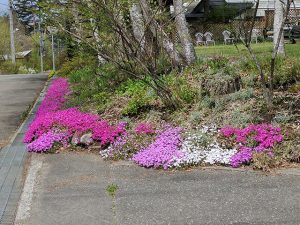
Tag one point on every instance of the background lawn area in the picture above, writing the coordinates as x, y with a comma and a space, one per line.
292, 50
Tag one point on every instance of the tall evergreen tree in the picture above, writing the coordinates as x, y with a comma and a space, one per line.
26, 11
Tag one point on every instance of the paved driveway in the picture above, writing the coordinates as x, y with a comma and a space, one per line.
70, 189
17, 93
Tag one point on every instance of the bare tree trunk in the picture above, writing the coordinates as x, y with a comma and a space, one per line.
157, 30
96, 37
138, 25
76, 24
183, 32
278, 42
278, 20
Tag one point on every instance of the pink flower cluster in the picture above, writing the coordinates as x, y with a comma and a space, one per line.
52, 124
254, 138
144, 128
55, 97
162, 151
105, 133
46, 141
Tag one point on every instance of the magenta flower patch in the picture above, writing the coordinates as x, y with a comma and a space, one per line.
254, 138
55, 97
144, 128
53, 125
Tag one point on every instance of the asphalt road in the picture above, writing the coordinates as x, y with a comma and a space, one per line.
70, 189
17, 93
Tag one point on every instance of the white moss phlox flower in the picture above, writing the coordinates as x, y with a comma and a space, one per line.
202, 147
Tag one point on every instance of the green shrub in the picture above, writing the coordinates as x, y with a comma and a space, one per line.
239, 118
294, 88
94, 86
77, 63
134, 106
196, 117
288, 74
217, 62
208, 102
51, 74
287, 71
7, 67
220, 83
83, 75
283, 118
181, 87
140, 96
241, 95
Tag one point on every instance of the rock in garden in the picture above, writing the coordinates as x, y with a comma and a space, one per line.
86, 139
75, 139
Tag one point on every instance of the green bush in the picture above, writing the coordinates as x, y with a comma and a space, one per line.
77, 63
140, 96
288, 74
239, 118
51, 74
218, 62
182, 88
7, 67
241, 95
208, 102
294, 88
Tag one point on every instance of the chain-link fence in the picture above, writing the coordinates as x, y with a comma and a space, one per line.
262, 25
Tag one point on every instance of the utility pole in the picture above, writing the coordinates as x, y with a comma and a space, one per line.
41, 47
52, 31
12, 35
53, 53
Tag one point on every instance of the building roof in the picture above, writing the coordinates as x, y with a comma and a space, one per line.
194, 8
19, 55
23, 54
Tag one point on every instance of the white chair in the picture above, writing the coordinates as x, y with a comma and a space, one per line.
209, 38
254, 35
227, 39
199, 39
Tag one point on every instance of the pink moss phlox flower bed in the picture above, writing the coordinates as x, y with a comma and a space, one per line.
46, 141
53, 124
252, 139
162, 151
55, 97
144, 128
105, 133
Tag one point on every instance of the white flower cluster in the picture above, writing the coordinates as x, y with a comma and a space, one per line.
25, 70
105, 153
201, 147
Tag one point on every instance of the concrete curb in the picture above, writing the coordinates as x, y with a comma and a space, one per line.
30, 113
282, 171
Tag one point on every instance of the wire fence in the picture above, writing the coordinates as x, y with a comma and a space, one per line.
262, 25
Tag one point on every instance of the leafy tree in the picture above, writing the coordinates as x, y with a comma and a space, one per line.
26, 11
134, 36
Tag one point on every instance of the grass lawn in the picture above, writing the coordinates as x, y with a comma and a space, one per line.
292, 50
